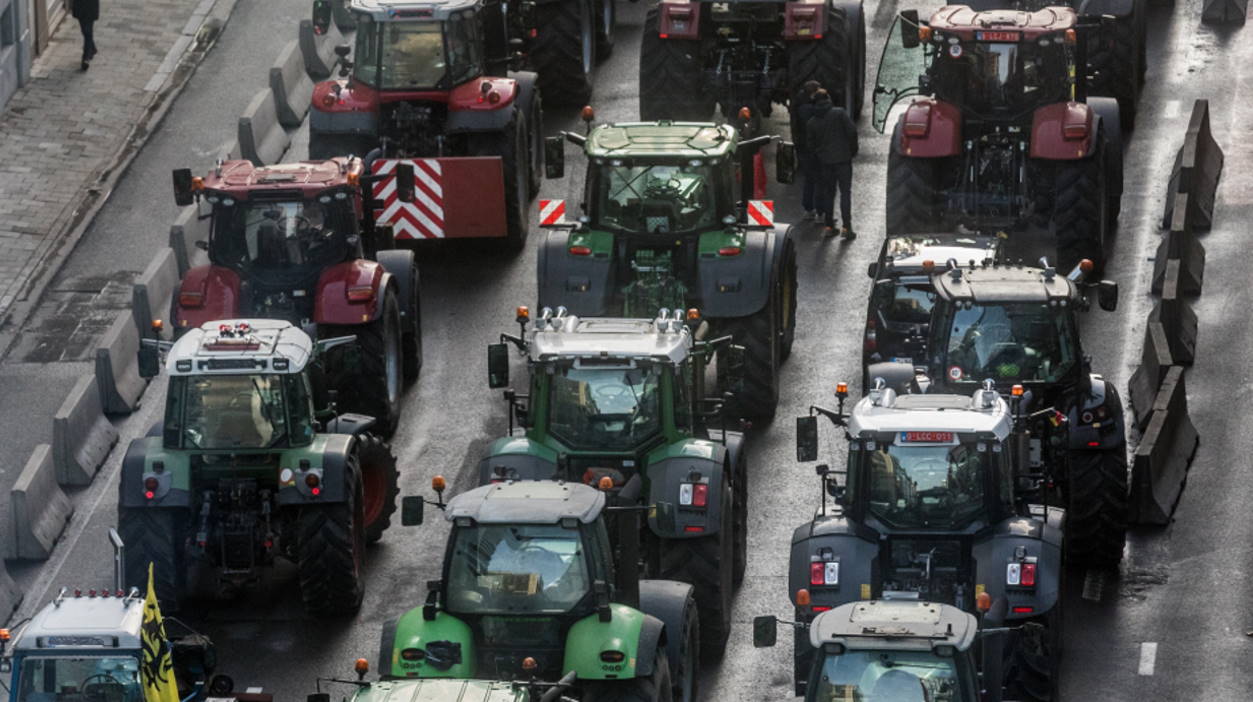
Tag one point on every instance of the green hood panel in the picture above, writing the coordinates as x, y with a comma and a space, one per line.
412, 631
589, 637
441, 691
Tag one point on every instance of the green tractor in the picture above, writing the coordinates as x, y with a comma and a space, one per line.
530, 588
620, 404
243, 471
661, 225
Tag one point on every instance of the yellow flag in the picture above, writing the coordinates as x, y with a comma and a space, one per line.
157, 670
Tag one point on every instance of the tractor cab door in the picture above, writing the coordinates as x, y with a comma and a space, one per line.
901, 67
494, 28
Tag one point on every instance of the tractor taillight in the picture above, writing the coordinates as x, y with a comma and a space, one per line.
693, 494
150, 487
1028, 575
730, 251
328, 99
824, 573
1074, 132
361, 293
580, 251
191, 300
815, 573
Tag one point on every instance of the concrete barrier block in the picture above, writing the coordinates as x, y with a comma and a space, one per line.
1164, 455
117, 367
1155, 360
345, 20
184, 233
38, 507
318, 51
81, 435
1224, 11
11, 595
1181, 244
153, 291
262, 139
291, 86
1176, 317
1201, 162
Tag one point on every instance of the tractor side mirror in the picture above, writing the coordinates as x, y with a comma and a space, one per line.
412, 510
765, 631
807, 439
1107, 295
785, 163
909, 28
149, 360
872, 271
554, 157
183, 193
404, 182
497, 365
321, 23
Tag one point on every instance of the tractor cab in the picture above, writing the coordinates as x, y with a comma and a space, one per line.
416, 46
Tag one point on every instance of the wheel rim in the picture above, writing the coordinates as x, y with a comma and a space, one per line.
688, 690
358, 534
589, 41
607, 17
391, 362
374, 488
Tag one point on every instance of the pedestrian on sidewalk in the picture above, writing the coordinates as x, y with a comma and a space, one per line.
802, 109
87, 12
832, 137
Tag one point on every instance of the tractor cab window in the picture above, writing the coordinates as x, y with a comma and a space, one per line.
900, 71
103, 679
1013, 77
657, 199
610, 408
232, 411
895, 676
516, 569
1013, 343
415, 55
280, 235
914, 482
905, 300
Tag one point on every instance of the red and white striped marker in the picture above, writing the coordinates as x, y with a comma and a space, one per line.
761, 212
552, 212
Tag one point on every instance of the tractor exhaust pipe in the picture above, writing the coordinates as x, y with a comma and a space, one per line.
119, 560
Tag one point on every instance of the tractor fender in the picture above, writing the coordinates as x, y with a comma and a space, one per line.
735, 446
1117, 8
665, 477
738, 286
467, 114
1048, 131
399, 264
582, 284
667, 601
589, 637
331, 304
929, 128
335, 450
350, 423
1038, 540
444, 633
139, 463
354, 110
218, 289
1106, 109
1096, 434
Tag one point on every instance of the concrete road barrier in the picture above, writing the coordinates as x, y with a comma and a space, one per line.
11, 595
291, 86
153, 291
38, 508
1164, 455
317, 51
1180, 244
184, 233
262, 139
81, 435
1198, 167
117, 367
1155, 361
345, 20
1176, 317
1224, 11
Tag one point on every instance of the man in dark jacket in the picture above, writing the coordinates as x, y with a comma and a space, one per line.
832, 137
802, 109
87, 12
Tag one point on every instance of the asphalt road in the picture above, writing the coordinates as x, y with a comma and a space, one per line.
1185, 588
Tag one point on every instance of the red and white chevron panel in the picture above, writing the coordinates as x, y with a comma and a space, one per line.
424, 217
552, 212
761, 213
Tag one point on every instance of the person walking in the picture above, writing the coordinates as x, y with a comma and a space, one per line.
832, 137
87, 12
802, 110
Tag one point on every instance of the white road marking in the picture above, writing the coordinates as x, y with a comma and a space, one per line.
1094, 585
1171, 109
1148, 657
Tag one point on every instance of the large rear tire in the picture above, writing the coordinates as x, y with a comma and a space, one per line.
913, 197
511, 146
380, 481
1117, 67
331, 551
831, 60
155, 536
564, 50
741, 518
787, 302
673, 72
708, 563
1096, 506
606, 21
403, 262
375, 386
1080, 205
1033, 660
654, 688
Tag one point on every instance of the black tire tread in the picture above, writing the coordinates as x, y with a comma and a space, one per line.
1117, 67
673, 70
374, 454
827, 61
365, 391
155, 536
1077, 209
707, 563
329, 582
557, 52
913, 196
758, 398
1096, 506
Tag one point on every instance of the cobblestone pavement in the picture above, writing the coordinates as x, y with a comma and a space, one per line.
65, 130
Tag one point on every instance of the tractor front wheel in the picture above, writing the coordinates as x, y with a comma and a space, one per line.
1032, 659
331, 551
1096, 506
707, 563
563, 51
374, 387
672, 76
380, 484
741, 518
155, 536
913, 197
654, 688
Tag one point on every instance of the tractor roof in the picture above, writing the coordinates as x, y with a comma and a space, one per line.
98, 623
898, 625
908, 253
965, 22
434, 690
661, 139
408, 10
240, 346
281, 181
528, 502
885, 411
606, 338
998, 284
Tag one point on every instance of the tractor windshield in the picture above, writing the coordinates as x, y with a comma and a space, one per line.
414, 55
1013, 343
113, 678
895, 676
238, 411
657, 199
917, 483
514, 569
1001, 76
605, 408
280, 235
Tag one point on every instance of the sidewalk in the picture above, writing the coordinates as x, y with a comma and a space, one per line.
63, 135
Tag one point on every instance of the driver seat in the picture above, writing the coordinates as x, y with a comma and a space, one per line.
898, 686
660, 215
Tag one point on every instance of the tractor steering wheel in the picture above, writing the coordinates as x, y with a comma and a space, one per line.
106, 679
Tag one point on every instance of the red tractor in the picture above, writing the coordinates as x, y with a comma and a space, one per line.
428, 85
298, 242
1003, 135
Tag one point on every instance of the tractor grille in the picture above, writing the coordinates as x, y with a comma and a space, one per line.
505, 641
